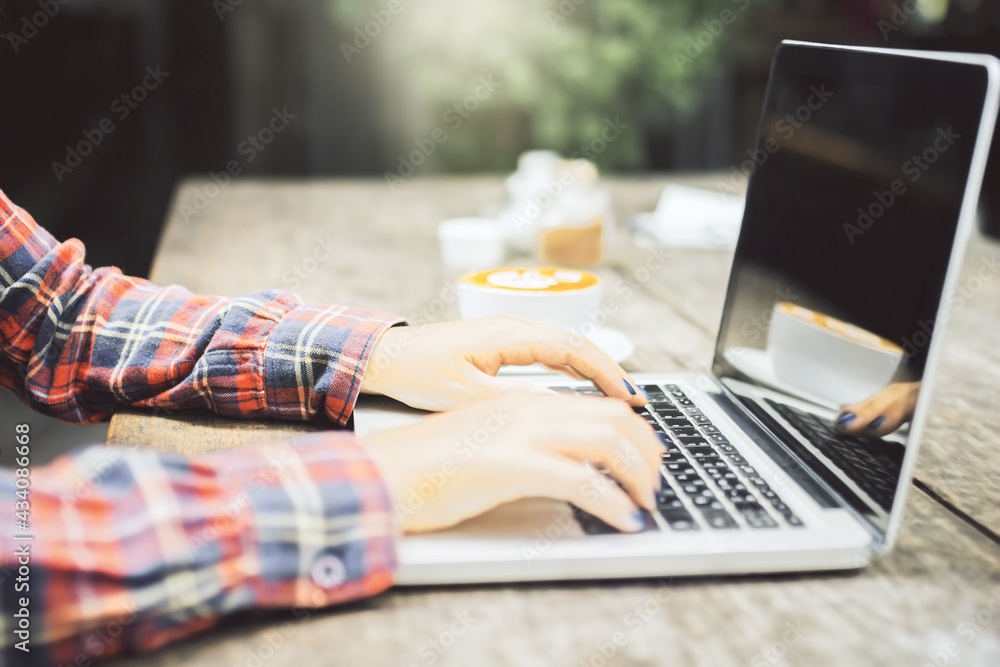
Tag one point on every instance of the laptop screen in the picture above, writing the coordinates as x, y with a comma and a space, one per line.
856, 185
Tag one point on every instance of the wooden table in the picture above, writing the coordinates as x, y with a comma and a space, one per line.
928, 602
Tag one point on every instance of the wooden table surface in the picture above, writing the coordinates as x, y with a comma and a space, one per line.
934, 600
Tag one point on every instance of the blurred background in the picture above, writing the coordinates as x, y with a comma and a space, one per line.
110, 102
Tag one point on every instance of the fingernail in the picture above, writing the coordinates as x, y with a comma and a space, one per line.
644, 394
631, 389
639, 519
846, 419
878, 421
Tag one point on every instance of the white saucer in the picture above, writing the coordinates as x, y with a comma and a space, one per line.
612, 342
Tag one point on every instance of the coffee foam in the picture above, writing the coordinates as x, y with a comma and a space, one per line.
543, 279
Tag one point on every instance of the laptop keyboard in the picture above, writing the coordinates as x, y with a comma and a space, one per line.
872, 463
706, 483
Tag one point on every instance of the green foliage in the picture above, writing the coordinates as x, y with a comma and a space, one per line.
564, 67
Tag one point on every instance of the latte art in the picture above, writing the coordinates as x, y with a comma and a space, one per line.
545, 279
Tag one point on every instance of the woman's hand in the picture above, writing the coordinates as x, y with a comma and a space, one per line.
456, 465
447, 365
881, 414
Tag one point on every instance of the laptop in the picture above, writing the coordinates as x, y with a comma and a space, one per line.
862, 192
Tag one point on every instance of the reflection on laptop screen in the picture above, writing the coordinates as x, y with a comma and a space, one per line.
858, 179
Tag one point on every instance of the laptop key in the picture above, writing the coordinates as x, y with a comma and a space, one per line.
758, 518
702, 452
718, 519
679, 519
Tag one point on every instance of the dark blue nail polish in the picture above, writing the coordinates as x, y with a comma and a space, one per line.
644, 394
639, 517
846, 419
631, 390
878, 421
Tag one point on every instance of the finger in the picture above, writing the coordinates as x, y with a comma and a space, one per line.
605, 446
644, 438
580, 484
630, 425
891, 417
555, 347
873, 416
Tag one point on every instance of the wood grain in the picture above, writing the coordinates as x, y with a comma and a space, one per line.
902, 610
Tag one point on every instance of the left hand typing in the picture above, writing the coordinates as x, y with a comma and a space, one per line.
451, 364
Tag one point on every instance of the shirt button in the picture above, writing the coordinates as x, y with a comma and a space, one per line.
328, 571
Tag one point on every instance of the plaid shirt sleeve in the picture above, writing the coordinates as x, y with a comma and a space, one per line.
132, 549
77, 342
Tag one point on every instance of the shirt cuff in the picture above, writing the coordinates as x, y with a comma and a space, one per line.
319, 527
315, 358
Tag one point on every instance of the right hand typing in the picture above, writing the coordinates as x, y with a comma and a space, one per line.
465, 462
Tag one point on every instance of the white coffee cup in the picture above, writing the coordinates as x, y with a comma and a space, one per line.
471, 244
827, 358
561, 297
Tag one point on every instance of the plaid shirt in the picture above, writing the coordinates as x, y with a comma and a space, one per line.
132, 549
